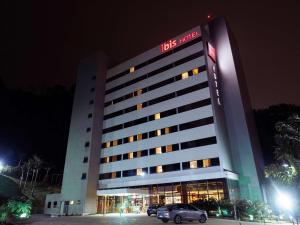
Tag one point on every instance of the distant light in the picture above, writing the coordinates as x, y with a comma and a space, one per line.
285, 165
23, 215
284, 201
208, 16
143, 174
1, 166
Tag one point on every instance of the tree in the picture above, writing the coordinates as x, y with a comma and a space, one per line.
287, 153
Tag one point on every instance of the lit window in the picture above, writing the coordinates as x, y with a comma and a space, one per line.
131, 69
167, 130
138, 92
193, 164
159, 169
139, 106
157, 116
139, 172
107, 144
139, 137
139, 154
113, 175
206, 163
130, 155
107, 159
195, 71
158, 150
158, 132
130, 139
184, 75
115, 142
169, 148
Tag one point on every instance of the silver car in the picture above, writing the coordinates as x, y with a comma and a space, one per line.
181, 212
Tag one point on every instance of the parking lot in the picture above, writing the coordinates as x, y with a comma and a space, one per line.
116, 219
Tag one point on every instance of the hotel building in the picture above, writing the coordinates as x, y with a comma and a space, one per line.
173, 124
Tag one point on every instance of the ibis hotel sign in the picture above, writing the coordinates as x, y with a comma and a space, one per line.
173, 43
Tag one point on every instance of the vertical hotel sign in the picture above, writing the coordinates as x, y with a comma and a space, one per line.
173, 43
212, 55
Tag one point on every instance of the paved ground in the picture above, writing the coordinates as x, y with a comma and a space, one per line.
117, 220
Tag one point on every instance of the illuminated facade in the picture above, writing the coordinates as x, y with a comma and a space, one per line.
175, 128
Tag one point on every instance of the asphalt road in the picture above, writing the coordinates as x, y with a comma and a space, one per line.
116, 219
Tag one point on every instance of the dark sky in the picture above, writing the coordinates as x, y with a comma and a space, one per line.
44, 40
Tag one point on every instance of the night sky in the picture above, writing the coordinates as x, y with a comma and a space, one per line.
44, 40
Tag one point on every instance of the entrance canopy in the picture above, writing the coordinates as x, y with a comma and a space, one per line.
122, 192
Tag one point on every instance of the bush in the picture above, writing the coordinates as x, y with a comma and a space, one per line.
16, 209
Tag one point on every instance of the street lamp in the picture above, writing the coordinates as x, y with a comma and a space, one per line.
1, 166
284, 201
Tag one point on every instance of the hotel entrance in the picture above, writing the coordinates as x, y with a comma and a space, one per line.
123, 201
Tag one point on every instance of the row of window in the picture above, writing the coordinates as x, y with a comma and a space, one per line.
148, 62
195, 164
155, 72
158, 100
158, 116
160, 150
138, 92
159, 132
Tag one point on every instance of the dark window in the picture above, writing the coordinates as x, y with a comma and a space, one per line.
196, 123
91, 102
83, 176
144, 153
90, 115
215, 162
102, 160
114, 114
186, 165
161, 99
198, 143
49, 205
88, 129
153, 169
194, 105
112, 175
171, 167
85, 159
125, 156
192, 88
54, 204
129, 173
87, 144
111, 129
167, 113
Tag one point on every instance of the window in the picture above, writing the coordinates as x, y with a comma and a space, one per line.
158, 132
169, 148
138, 92
49, 205
115, 142
158, 150
167, 130
206, 163
139, 172
139, 137
107, 159
113, 175
107, 144
193, 164
130, 155
131, 69
159, 169
88, 129
90, 115
83, 176
87, 144
54, 204
85, 159
184, 75
215, 162
195, 71
139, 106
157, 116
130, 139
198, 143
171, 167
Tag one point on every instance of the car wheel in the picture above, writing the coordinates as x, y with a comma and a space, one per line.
165, 220
177, 219
202, 219
149, 214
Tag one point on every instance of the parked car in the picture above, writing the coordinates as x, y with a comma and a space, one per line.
152, 209
181, 212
